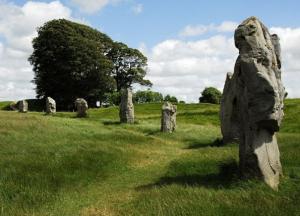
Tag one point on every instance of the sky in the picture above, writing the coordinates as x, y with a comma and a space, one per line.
189, 43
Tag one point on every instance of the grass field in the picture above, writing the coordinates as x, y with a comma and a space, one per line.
64, 166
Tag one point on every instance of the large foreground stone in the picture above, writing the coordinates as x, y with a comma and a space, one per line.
50, 105
23, 106
229, 112
81, 106
168, 117
126, 112
259, 95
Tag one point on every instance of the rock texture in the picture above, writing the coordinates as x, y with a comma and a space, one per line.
168, 117
229, 112
126, 112
81, 106
50, 105
259, 100
23, 106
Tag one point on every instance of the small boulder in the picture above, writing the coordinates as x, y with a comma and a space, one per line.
81, 106
50, 105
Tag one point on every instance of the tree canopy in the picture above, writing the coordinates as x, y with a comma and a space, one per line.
210, 95
171, 99
71, 60
147, 96
129, 66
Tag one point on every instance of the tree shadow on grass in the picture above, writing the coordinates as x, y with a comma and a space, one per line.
204, 144
111, 122
227, 176
153, 132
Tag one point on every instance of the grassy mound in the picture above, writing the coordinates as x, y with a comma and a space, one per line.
62, 165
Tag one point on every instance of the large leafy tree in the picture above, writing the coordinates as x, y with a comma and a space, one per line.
129, 66
210, 95
69, 61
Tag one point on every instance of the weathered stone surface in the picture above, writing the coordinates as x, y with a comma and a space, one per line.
23, 106
50, 105
259, 100
81, 106
126, 112
168, 117
229, 112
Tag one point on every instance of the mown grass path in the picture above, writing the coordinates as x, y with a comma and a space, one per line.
61, 165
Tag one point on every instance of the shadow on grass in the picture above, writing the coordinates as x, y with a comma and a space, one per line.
227, 177
111, 122
154, 132
202, 144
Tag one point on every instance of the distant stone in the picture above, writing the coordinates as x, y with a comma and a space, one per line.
50, 105
168, 117
82, 107
23, 106
14, 106
229, 112
259, 100
126, 112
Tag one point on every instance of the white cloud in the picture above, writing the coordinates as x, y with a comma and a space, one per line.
290, 44
137, 9
196, 30
92, 6
184, 68
18, 28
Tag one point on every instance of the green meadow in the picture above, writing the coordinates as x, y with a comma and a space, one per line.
61, 165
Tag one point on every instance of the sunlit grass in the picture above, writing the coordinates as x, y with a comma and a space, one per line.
62, 165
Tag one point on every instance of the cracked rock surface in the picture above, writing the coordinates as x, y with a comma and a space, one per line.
258, 95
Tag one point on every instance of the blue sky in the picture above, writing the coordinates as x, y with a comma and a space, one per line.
189, 43
162, 19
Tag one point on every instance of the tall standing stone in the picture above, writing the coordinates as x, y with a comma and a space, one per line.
229, 112
23, 106
50, 105
81, 106
126, 112
168, 117
259, 100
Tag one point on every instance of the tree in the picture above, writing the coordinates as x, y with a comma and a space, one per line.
69, 61
147, 96
210, 95
129, 66
112, 98
171, 99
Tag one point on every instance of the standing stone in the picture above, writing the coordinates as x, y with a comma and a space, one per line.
168, 117
23, 106
81, 106
126, 107
50, 105
229, 112
259, 100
